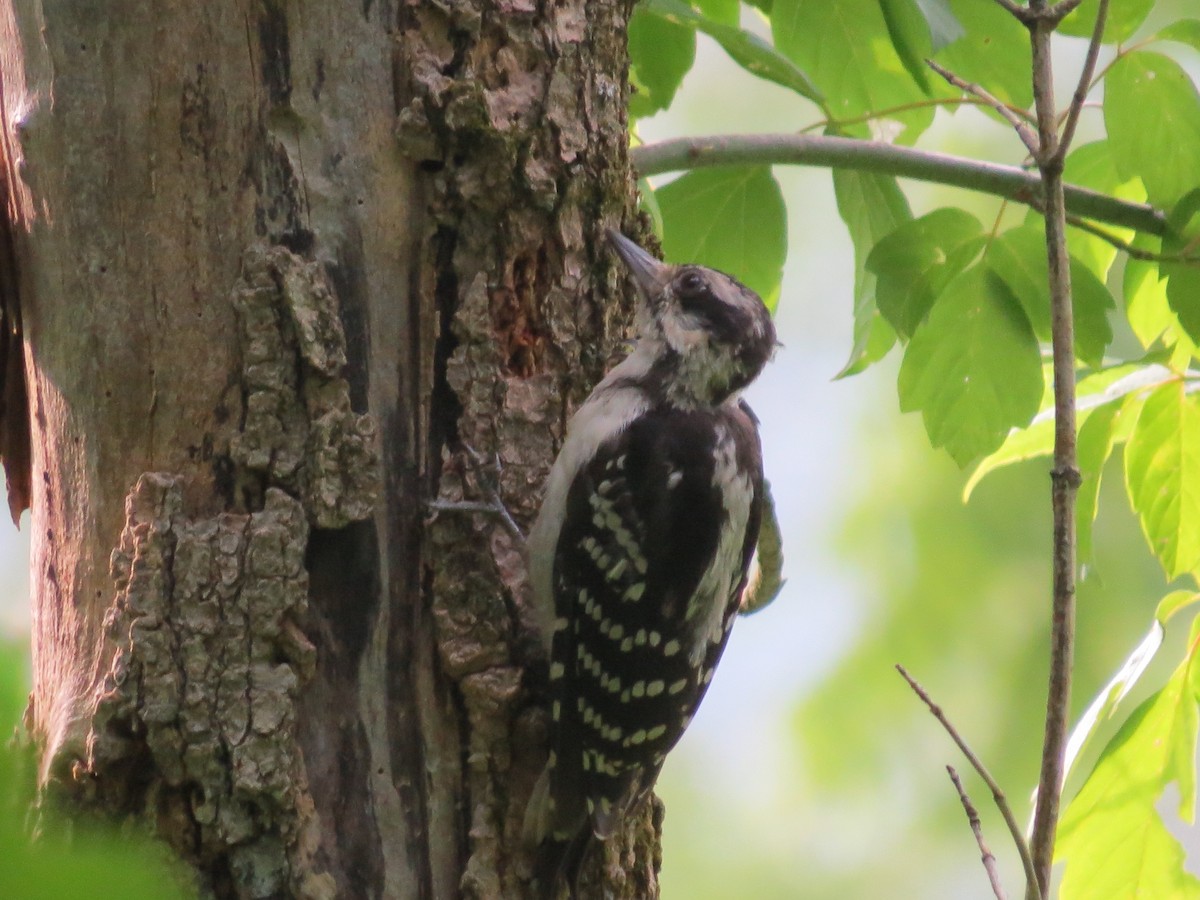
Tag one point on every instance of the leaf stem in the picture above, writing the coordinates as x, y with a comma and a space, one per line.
1010, 182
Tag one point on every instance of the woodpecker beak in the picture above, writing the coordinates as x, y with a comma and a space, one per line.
650, 274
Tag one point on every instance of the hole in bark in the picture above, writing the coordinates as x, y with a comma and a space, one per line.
447, 408
516, 314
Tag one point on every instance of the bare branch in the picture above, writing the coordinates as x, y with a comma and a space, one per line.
1014, 827
1065, 478
1085, 81
1037, 13
1021, 13
1024, 132
989, 861
1010, 182
1060, 11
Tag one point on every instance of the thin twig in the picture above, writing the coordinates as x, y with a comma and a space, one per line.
1024, 132
491, 488
476, 508
888, 159
1085, 82
890, 111
989, 860
494, 506
1014, 827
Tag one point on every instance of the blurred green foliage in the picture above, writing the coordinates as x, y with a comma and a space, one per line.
963, 591
75, 861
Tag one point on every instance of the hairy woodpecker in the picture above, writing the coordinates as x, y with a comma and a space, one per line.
640, 554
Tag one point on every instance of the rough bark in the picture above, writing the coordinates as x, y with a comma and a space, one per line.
276, 265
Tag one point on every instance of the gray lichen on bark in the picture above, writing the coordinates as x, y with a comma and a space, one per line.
202, 686
299, 430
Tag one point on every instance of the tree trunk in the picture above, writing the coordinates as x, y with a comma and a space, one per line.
274, 267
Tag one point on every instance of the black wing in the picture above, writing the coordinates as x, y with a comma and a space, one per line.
644, 521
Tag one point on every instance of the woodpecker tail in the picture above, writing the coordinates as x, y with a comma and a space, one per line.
559, 865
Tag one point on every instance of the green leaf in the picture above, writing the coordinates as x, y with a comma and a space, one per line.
846, 49
648, 203
993, 51
873, 337
748, 50
1108, 700
1146, 307
916, 261
1112, 837
1162, 475
1099, 389
1183, 279
909, 33
1185, 31
1093, 447
872, 206
1152, 113
726, 12
661, 53
1124, 18
94, 862
973, 369
1019, 257
733, 219
1092, 166
944, 27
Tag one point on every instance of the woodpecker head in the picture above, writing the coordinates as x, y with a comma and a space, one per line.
708, 334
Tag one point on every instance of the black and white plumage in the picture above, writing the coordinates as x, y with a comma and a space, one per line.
640, 553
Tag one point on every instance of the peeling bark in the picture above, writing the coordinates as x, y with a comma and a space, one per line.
298, 431
201, 691
279, 265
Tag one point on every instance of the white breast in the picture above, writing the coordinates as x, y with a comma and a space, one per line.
612, 406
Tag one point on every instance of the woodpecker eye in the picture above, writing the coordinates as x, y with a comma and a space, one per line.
691, 283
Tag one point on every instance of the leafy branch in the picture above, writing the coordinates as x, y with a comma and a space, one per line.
1010, 182
984, 317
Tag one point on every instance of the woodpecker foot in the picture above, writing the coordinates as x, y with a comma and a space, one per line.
486, 475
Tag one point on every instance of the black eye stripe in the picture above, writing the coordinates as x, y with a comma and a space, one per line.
726, 320
697, 294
